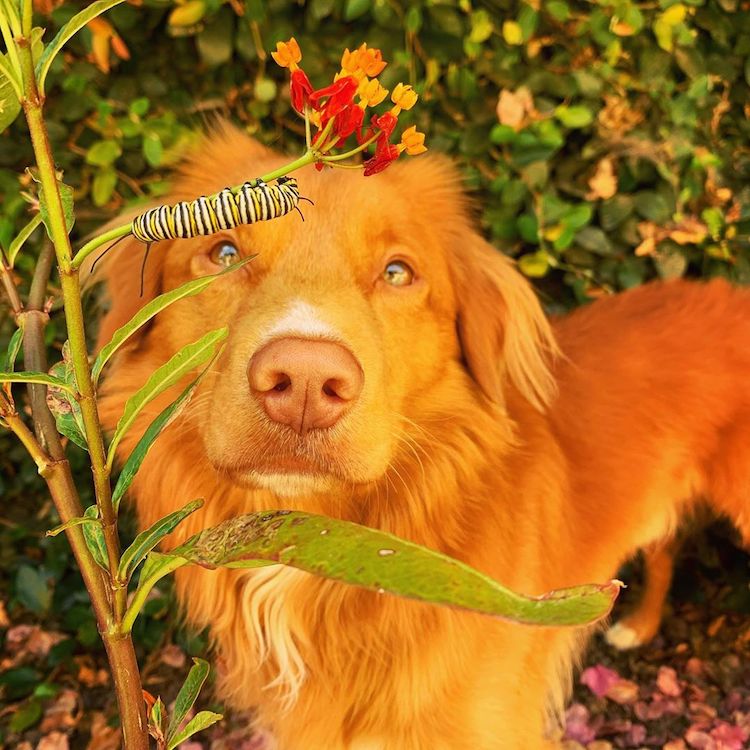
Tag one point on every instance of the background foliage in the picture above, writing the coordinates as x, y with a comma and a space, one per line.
605, 143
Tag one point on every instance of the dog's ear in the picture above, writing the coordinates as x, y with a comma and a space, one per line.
504, 333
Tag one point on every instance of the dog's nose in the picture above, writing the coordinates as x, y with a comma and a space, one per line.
305, 383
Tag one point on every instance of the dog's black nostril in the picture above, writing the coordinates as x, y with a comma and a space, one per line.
284, 383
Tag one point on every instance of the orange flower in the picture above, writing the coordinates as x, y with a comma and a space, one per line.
404, 97
104, 37
412, 141
362, 62
371, 93
287, 54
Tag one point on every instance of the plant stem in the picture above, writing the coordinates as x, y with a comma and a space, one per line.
10, 288
122, 655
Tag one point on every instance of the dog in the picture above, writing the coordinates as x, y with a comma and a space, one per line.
387, 366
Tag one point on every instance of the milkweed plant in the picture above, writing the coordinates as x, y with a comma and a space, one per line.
350, 123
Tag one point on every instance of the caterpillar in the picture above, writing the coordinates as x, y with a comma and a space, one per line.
254, 201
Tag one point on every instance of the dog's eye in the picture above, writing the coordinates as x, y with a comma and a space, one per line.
224, 254
398, 273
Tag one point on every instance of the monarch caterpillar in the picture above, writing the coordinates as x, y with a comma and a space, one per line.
254, 201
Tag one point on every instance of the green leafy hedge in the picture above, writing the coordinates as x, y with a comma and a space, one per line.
605, 142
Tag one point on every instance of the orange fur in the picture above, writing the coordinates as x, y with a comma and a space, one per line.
473, 435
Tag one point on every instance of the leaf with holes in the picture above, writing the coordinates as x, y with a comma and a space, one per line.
376, 560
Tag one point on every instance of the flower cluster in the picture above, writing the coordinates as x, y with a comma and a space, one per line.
338, 111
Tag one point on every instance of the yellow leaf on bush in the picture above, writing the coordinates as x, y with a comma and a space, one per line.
603, 182
188, 14
512, 33
690, 231
674, 15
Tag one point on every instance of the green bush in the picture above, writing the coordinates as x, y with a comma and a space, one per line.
604, 142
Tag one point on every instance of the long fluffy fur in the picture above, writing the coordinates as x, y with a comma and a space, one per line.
542, 454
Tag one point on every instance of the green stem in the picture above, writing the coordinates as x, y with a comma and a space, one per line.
113, 234
362, 146
144, 589
27, 18
122, 658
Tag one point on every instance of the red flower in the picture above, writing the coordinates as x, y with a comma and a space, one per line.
384, 155
340, 94
300, 88
386, 123
348, 121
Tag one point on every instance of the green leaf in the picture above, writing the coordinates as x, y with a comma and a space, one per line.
179, 365
376, 560
148, 311
66, 32
481, 26
77, 521
356, 8
153, 150
66, 197
64, 407
35, 377
202, 720
154, 569
103, 185
93, 535
25, 716
134, 555
187, 696
574, 117
135, 459
22, 236
10, 104
32, 589
14, 346
103, 153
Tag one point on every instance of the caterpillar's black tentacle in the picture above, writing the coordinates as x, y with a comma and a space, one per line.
311, 202
297, 209
105, 251
143, 265
254, 201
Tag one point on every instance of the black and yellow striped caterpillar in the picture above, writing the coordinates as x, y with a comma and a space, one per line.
254, 201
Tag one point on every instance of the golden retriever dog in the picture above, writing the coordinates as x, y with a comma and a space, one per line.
386, 365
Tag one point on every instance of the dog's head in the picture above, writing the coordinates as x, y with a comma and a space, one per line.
384, 305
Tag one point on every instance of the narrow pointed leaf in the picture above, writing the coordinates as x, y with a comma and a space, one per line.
188, 358
10, 94
187, 696
379, 561
77, 521
136, 458
154, 569
35, 377
14, 346
22, 236
200, 721
134, 555
66, 32
93, 534
149, 310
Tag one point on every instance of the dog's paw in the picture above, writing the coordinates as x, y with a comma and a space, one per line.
623, 637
